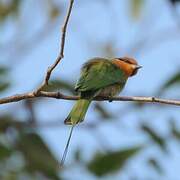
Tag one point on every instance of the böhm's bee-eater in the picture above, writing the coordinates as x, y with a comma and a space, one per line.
99, 77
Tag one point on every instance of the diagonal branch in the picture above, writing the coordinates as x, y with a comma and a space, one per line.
61, 53
58, 95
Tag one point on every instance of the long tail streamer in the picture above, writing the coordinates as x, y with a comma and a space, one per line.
66, 147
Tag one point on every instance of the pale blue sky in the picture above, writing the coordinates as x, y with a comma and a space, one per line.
94, 23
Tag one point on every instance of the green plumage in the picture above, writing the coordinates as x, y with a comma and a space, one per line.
78, 111
99, 76
99, 73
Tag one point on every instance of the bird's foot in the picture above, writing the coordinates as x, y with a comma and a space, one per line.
110, 99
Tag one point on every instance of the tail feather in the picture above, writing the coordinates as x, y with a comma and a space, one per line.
78, 112
66, 147
76, 115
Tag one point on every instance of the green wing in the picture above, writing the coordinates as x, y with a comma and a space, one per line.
99, 73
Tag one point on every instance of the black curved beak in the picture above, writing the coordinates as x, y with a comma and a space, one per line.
138, 67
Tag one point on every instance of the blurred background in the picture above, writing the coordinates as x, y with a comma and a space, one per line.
118, 140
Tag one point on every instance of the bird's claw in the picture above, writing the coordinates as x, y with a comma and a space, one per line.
110, 99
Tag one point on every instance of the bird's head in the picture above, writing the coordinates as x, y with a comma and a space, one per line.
128, 65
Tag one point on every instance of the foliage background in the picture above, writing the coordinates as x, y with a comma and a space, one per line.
117, 140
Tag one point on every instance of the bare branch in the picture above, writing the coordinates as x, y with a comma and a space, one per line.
61, 54
38, 93
58, 95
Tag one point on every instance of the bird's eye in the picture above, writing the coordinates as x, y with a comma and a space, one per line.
126, 60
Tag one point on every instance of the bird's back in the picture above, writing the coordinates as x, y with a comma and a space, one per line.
98, 73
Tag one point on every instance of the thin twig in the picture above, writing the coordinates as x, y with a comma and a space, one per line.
58, 95
61, 54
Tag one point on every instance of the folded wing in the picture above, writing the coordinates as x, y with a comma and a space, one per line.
99, 73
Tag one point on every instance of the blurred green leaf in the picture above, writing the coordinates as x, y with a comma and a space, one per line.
136, 8
4, 152
11, 175
54, 12
103, 164
59, 85
9, 8
7, 121
154, 136
4, 82
174, 130
104, 113
172, 81
54, 9
154, 163
37, 155
4, 86
3, 70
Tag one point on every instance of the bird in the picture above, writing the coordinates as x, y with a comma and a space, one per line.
99, 77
